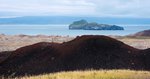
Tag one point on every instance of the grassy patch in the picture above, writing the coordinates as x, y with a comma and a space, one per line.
94, 74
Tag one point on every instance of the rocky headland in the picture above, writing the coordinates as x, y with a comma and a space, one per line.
84, 25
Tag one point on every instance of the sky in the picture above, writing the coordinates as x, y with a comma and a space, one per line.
87, 8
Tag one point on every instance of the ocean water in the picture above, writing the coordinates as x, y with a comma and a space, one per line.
63, 30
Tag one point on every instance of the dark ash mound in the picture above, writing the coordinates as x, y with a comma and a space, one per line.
85, 52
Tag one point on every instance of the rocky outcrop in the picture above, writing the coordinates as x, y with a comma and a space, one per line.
84, 25
85, 52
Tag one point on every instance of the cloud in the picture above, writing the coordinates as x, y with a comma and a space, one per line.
122, 8
98, 8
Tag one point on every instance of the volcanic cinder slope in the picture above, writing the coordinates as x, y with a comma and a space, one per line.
84, 52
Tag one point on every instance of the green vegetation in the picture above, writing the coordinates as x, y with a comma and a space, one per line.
94, 74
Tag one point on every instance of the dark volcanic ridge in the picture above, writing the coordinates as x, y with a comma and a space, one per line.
84, 52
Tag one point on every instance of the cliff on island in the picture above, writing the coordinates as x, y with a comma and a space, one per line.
84, 25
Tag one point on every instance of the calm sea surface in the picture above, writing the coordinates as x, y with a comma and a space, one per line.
64, 31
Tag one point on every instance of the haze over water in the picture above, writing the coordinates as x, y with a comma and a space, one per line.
63, 30
136, 10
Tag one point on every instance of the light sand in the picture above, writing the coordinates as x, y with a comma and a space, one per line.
12, 42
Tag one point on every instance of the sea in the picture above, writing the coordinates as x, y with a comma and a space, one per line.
63, 30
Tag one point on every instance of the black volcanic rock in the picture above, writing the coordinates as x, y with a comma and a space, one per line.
85, 52
84, 25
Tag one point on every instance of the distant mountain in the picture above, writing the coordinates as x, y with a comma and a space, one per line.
142, 33
69, 20
84, 25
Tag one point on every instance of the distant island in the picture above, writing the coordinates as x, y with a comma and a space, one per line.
84, 25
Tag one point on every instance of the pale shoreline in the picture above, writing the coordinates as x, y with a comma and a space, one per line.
13, 42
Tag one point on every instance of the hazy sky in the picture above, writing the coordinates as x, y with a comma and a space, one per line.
98, 8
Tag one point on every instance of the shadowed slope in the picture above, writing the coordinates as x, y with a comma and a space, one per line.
4, 55
85, 52
145, 58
